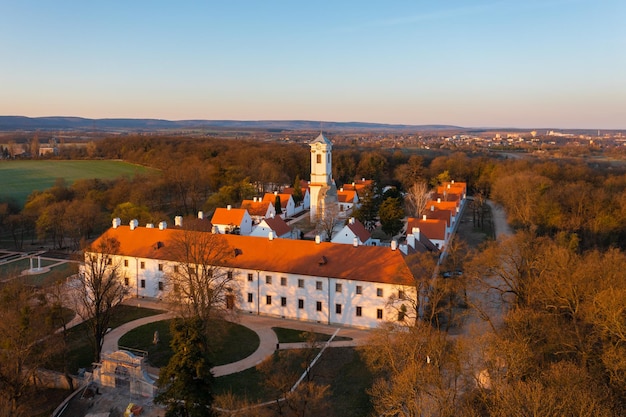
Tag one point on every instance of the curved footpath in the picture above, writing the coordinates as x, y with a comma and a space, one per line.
261, 325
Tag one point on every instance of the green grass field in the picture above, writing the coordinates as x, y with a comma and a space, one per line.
20, 178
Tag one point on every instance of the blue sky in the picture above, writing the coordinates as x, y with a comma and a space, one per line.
529, 64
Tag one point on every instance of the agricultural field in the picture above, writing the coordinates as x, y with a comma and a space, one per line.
20, 178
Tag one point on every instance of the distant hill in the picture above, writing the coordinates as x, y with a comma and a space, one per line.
13, 123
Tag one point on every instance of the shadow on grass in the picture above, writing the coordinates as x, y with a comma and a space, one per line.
286, 335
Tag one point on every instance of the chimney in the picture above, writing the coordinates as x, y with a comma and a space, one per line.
133, 224
416, 233
355, 242
178, 221
318, 239
410, 240
216, 230
394, 244
363, 179
448, 186
353, 183
254, 199
228, 207
201, 215
275, 192
162, 225
341, 189
451, 182
117, 222
270, 235
439, 200
351, 220
432, 208
424, 217
150, 226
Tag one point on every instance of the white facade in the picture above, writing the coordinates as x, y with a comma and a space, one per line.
322, 187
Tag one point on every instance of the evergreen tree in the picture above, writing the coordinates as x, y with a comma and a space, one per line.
187, 382
297, 191
279, 209
391, 214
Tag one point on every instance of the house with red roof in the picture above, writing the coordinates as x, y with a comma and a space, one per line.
274, 225
287, 205
305, 204
347, 199
259, 209
435, 230
314, 281
232, 220
354, 233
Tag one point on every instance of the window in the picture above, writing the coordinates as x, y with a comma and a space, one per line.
126, 281
283, 281
229, 274
338, 308
337, 287
160, 285
318, 306
176, 269
401, 313
318, 285
143, 283
268, 279
379, 292
250, 277
250, 297
359, 311
379, 313
160, 267
230, 301
109, 261
300, 283
319, 158
359, 289
401, 295
142, 265
300, 303
268, 299
126, 262
283, 301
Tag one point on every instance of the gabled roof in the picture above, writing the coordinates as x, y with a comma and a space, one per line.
290, 190
227, 216
346, 196
443, 205
446, 196
358, 185
302, 257
358, 229
434, 229
256, 208
455, 187
438, 213
278, 225
271, 197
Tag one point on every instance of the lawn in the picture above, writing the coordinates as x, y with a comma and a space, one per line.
21, 178
239, 342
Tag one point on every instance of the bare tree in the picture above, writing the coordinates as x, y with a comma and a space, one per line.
327, 219
417, 197
200, 283
101, 289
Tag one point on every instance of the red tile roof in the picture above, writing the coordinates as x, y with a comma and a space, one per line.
228, 216
440, 214
432, 228
278, 225
271, 197
302, 257
346, 196
443, 205
359, 230
255, 208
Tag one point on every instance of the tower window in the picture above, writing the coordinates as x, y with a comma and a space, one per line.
319, 158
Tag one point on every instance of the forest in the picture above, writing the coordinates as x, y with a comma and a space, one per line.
558, 350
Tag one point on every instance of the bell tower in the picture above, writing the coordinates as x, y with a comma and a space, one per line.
322, 187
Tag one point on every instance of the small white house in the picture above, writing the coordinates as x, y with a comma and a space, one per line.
259, 209
274, 225
287, 205
353, 233
232, 220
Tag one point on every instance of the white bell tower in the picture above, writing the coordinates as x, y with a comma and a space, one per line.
322, 186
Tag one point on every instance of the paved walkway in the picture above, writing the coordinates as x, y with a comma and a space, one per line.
261, 325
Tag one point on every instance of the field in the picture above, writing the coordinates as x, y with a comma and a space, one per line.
20, 178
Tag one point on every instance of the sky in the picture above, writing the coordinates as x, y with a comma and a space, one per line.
471, 63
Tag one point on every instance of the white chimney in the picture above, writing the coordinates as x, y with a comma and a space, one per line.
351, 220
162, 225
318, 239
355, 242
439, 200
228, 207
394, 244
416, 233
134, 223
424, 217
448, 186
353, 183
410, 240
216, 230
451, 182
254, 199
270, 235
341, 189
275, 192
363, 179
432, 208
117, 222
150, 226
201, 215
178, 221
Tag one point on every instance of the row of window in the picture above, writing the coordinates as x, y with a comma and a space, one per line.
142, 283
318, 305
